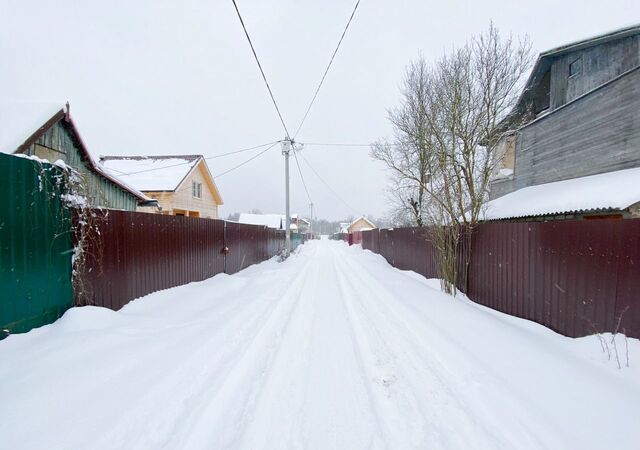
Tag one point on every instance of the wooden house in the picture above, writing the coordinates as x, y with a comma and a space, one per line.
361, 224
578, 116
51, 134
181, 184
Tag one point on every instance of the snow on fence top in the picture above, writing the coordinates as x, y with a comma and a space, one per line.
151, 173
614, 190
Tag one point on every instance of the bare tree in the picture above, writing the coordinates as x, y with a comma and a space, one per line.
409, 157
444, 148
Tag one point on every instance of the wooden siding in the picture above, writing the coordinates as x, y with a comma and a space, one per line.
360, 225
57, 143
183, 200
600, 64
597, 133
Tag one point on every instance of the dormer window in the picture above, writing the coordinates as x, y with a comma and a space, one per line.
575, 67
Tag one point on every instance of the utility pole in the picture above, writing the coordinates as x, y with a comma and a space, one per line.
286, 149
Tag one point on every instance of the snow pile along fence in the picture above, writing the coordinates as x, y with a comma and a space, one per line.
575, 277
131, 254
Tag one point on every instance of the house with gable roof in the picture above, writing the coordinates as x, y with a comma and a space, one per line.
361, 224
181, 184
49, 133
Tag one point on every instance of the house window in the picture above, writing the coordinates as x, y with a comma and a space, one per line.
196, 189
575, 67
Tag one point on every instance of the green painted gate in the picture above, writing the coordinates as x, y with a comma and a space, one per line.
35, 245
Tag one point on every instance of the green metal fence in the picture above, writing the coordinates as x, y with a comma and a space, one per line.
35, 245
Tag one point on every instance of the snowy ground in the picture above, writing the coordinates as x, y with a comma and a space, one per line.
333, 349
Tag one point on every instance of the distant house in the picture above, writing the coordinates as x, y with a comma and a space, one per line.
302, 224
361, 224
50, 133
578, 117
182, 184
276, 221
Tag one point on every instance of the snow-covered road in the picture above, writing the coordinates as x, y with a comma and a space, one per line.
332, 349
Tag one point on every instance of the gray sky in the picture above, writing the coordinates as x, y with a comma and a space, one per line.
178, 77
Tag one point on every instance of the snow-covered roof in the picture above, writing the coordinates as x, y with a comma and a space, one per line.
607, 191
151, 173
19, 121
365, 220
268, 220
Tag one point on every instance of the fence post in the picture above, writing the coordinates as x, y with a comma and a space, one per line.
224, 245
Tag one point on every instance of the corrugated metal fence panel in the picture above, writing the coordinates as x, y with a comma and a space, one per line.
370, 240
406, 249
134, 254
572, 276
356, 238
251, 244
35, 246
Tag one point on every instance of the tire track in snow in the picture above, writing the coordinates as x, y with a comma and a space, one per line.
315, 395
422, 358
219, 349
363, 353
197, 366
225, 409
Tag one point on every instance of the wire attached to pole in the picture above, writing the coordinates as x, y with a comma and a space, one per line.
264, 77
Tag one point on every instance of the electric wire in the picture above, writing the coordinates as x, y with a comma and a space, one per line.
320, 144
190, 162
247, 161
264, 77
315, 95
334, 144
328, 186
295, 156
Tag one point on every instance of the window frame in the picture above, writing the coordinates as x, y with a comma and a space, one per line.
580, 66
196, 189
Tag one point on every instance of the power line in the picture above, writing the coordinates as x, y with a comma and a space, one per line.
190, 162
334, 144
302, 177
327, 69
247, 161
319, 144
260, 67
327, 185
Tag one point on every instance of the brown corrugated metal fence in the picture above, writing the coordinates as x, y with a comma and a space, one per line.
572, 276
132, 254
250, 244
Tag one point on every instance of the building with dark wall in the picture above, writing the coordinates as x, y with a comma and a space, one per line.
579, 115
58, 139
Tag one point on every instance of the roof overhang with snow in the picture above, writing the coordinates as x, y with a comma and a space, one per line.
163, 173
267, 220
612, 191
364, 219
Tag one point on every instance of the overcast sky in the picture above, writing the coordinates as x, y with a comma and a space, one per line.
178, 77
